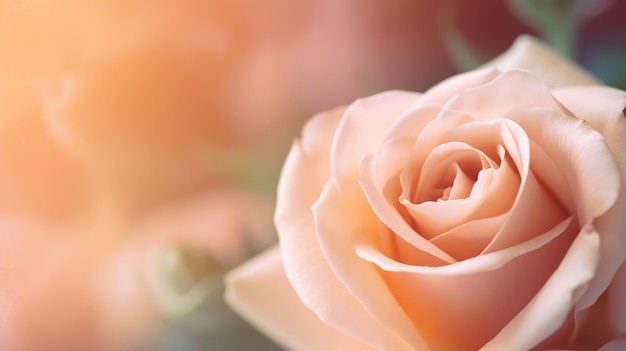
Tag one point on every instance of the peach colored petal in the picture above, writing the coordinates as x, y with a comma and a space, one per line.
606, 115
412, 123
376, 171
394, 152
337, 239
260, 291
432, 135
482, 263
517, 227
303, 177
581, 154
510, 90
469, 239
463, 305
363, 128
547, 311
306, 170
549, 173
461, 186
529, 53
447, 89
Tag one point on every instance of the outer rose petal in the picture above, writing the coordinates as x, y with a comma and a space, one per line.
363, 128
531, 54
304, 175
363, 279
547, 311
580, 154
444, 91
260, 291
509, 90
605, 114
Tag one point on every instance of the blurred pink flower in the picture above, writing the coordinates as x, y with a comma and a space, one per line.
49, 290
98, 286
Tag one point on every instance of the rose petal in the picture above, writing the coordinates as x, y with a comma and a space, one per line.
529, 53
363, 128
428, 139
378, 175
517, 227
581, 154
447, 89
483, 263
469, 239
462, 306
260, 291
412, 123
337, 238
382, 194
304, 173
510, 90
605, 115
547, 311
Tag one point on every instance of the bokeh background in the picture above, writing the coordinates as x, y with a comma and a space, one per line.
141, 141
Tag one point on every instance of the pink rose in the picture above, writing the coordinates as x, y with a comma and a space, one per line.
484, 214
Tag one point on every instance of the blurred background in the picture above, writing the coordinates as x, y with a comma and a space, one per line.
141, 141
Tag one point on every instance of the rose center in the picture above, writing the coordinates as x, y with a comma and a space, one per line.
459, 183
450, 173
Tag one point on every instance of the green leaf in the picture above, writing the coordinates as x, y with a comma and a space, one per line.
557, 21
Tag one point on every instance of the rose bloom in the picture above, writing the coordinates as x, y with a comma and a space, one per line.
484, 214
